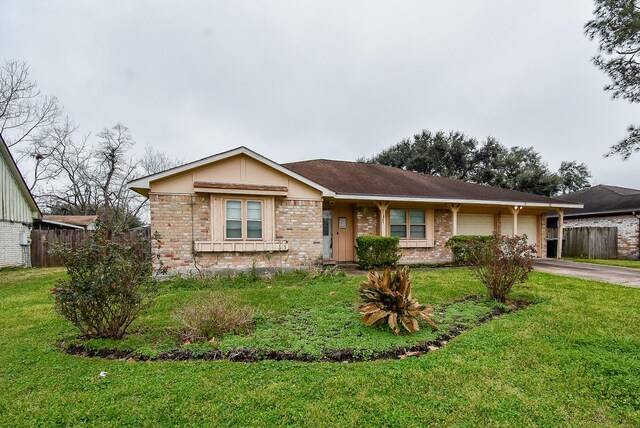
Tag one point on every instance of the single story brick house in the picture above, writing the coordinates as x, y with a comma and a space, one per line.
238, 209
606, 206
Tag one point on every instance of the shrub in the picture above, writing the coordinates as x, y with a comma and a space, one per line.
376, 252
110, 282
212, 315
386, 299
502, 262
461, 246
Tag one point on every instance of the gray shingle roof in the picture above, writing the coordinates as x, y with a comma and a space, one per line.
604, 199
355, 178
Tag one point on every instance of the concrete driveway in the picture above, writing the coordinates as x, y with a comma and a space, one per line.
617, 275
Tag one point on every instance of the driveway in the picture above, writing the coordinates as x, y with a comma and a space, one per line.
614, 274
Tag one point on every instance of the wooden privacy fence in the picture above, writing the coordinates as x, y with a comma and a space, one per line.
43, 240
590, 242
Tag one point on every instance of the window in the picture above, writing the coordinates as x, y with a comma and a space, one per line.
243, 218
254, 220
234, 220
399, 223
417, 224
412, 220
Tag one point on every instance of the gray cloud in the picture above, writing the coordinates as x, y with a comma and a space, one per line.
296, 79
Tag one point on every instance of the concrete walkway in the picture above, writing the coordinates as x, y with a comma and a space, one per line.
628, 277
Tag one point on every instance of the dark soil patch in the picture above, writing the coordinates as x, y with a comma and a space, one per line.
334, 356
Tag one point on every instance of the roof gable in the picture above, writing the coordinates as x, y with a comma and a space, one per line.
12, 168
143, 184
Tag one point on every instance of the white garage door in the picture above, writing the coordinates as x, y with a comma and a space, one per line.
475, 224
527, 225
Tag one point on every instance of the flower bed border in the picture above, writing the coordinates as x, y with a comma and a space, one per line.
332, 356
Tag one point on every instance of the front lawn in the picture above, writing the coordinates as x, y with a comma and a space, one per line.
617, 262
300, 316
571, 358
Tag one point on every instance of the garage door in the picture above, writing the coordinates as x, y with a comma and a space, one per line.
475, 224
527, 225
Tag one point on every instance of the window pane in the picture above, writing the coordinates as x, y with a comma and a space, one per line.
398, 216
254, 210
418, 232
400, 231
416, 217
234, 210
254, 229
234, 229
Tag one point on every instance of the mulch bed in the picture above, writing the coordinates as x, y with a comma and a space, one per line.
256, 355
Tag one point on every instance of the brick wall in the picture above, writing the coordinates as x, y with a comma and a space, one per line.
443, 227
627, 231
12, 253
366, 221
299, 222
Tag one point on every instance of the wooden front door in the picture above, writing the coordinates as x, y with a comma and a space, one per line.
343, 234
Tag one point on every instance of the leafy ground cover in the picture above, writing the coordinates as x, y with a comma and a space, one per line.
299, 316
569, 359
617, 262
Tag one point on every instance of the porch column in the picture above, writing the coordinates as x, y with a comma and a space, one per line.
382, 206
454, 221
515, 210
560, 232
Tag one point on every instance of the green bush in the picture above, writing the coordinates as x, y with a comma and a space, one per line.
376, 252
110, 282
462, 245
501, 263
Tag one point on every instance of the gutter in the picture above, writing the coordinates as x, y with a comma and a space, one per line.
458, 201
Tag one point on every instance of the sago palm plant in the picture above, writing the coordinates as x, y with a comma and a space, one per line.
386, 299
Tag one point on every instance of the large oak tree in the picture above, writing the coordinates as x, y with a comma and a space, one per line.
455, 155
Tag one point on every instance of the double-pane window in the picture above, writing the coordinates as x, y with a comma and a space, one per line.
243, 218
408, 223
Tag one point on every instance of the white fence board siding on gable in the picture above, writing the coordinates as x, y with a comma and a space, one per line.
13, 206
475, 224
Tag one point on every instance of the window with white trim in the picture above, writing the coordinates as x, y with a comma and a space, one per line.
411, 224
244, 220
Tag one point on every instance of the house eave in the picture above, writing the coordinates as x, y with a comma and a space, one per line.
389, 198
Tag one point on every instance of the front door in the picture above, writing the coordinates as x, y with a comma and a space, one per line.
343, 242
327, 235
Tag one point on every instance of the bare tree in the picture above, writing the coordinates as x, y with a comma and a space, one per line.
75, 176
155, 161
24, 110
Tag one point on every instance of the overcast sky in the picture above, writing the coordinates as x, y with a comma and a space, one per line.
295, 80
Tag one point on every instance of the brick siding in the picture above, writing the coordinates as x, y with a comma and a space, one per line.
182, 219
13, 254
443, 228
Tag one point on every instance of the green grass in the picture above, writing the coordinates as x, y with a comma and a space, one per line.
309, 316
569, 360
617, 262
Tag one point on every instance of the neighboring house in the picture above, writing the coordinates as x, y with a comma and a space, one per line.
53, 222
607, 206
238, 209
18, 210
